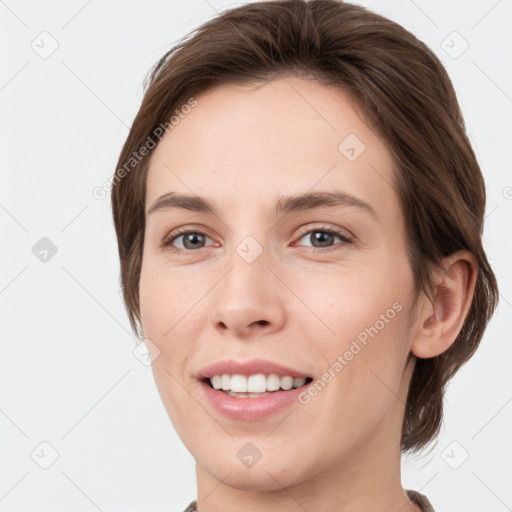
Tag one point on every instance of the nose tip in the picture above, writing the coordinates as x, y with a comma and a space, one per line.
247, 300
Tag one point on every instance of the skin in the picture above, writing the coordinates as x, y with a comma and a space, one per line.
242, 147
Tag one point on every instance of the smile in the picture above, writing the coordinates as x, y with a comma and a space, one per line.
251, 390
254, 386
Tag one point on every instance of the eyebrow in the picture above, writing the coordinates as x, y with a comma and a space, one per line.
285, 204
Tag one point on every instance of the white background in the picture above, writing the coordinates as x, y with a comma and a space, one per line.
68, 374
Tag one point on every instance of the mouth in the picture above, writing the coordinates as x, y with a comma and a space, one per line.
251, 390
255, 385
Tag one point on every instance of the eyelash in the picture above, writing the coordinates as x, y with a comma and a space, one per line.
344, 237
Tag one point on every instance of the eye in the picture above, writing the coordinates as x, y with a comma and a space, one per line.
192, 240
322, 238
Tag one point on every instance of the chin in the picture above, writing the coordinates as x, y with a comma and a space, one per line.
259, 478
271, 472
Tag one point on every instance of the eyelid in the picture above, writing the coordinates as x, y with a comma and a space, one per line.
341, 232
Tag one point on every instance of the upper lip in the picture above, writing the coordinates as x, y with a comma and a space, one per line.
247, 368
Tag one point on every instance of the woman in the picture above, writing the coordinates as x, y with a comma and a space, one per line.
299, 217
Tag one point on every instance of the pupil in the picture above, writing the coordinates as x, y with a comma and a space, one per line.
191, 238
323, 237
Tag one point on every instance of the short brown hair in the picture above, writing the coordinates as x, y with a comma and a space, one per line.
403, 90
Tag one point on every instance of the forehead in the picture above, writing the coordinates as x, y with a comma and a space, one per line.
281, 137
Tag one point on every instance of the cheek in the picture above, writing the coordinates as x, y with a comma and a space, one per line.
156, 303
350, 299
168, 318
166, 296
366, 338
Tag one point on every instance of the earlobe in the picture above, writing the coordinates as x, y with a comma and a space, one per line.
440, 321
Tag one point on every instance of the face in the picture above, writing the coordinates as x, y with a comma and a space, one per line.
247, 278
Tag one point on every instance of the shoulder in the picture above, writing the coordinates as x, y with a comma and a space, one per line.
191, 507
420, 500
414, 496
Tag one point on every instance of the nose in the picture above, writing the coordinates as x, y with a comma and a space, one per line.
250, 299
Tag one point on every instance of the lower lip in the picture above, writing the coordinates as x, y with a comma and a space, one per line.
248, 409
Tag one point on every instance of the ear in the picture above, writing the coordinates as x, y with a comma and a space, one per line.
439, 323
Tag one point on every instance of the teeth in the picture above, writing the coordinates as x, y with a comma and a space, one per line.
239, 384
216, 381
297, 383
246, 395
287, 383
273, 382
225, 383
258, 383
